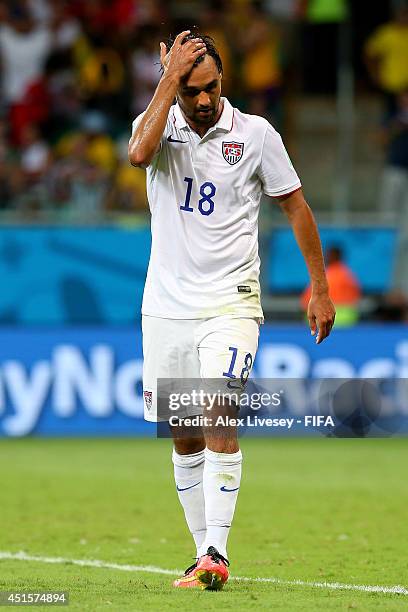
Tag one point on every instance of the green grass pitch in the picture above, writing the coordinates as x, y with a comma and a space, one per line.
315, 510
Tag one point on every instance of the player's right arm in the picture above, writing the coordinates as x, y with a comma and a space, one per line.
177, 63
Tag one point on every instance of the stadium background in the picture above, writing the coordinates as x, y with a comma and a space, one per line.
74, 233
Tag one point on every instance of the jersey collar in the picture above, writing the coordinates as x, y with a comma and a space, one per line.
224, 123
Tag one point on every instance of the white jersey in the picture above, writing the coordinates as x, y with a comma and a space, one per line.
204, 195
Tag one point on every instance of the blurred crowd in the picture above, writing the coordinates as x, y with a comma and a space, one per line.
75, 72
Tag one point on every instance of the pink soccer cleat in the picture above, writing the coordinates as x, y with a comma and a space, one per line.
189, 580
212, 570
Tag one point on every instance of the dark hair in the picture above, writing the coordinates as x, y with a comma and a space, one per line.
209, 43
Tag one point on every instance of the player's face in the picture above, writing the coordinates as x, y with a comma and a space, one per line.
199, 94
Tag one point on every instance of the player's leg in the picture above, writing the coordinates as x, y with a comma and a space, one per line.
221, 479
188, 459
227, 350
169, 354
221, 482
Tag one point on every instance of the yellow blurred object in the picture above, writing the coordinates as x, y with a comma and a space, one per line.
389, 44
65, 144
99, 149
99, 70
133, 180
223, 49
102, 72
260, 68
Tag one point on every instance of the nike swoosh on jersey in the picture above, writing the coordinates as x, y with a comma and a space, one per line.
185, 488
171, 139
224, 488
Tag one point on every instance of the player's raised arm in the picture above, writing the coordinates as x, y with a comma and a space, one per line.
177, 63
321, 312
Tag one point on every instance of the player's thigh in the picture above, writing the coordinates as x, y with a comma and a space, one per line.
169, 353
227, 348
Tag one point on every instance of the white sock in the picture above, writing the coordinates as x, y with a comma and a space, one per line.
222, 477
188, 474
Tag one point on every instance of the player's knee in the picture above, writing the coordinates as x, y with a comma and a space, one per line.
188, 446
222, 445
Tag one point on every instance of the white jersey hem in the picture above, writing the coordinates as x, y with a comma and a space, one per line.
188, 316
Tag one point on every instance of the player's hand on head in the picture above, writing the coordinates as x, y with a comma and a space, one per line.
321, 314
181, 57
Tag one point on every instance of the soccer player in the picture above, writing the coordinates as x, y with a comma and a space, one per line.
208, 165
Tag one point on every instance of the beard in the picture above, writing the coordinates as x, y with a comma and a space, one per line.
205, 118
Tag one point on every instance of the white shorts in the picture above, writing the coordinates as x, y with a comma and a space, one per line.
220, 348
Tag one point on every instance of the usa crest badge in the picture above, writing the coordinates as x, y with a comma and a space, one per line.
232, 151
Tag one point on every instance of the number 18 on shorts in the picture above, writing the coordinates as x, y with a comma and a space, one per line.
220, 350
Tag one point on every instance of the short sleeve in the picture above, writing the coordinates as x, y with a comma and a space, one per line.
164, 136
276, 171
